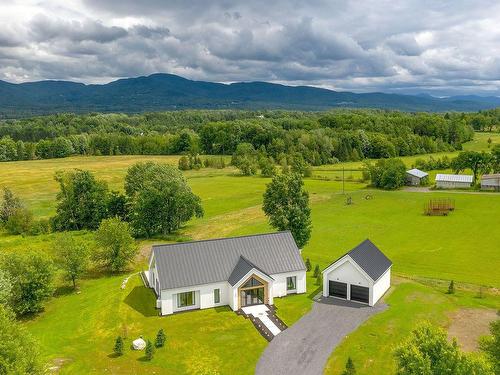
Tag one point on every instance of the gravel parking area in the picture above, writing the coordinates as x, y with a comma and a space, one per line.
304, 348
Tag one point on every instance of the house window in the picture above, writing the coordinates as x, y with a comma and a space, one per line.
251, 283
291, 283
185, 299
216, 295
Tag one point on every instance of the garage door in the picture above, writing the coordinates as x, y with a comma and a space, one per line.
337, 289
360, 294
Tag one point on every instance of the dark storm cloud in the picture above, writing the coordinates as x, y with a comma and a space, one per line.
409, 46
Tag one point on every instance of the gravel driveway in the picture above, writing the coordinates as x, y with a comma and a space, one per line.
304, 348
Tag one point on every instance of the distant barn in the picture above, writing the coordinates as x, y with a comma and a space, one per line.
453, 181
414, 177
490, 182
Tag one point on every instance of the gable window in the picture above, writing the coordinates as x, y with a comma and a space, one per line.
251, 283
216, 295
291, 283
185, 299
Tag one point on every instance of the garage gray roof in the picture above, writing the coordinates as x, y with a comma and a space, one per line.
210, 261
417, 173
369, 258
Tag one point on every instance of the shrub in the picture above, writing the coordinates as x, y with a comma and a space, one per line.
118, 349
160, 339
308, 265
451, 287
317, 271
387, 174
349, 367
20, 221
150, 350
319, 279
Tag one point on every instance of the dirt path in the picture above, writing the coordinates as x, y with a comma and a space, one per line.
468, 325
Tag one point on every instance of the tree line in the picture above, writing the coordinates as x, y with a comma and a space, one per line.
321, 137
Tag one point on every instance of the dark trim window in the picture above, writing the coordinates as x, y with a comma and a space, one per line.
185, 299
216, 295
251, 283
291, 283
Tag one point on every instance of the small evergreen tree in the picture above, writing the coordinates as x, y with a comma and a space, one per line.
316, 271
451, 287
308, 265
349, 367
149, 351
118, 349
160, 339
318, 279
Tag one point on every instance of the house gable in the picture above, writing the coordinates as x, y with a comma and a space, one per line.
347, 270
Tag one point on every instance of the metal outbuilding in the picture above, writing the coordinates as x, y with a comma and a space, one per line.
415, 176
453, 181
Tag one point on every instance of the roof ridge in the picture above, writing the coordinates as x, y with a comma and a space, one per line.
221, 239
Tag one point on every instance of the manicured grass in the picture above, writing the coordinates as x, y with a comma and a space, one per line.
371, 346
80, 330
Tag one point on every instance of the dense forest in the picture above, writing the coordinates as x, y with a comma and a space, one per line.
321, 137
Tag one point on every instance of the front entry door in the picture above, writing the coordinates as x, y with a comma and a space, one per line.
252, 297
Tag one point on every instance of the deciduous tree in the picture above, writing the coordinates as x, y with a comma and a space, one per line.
72, 256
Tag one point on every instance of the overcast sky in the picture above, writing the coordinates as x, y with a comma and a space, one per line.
439, 47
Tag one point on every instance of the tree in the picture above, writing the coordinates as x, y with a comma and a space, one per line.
495, 155
10, 204
150, 350
319, 279
451, 287
31, 275
81, 200
160, 339
116, 246
20, 221
428, 352
5, 288
117, 205
19, 353
267, 167
308, 265
286, 204
350, 369
118, 348
245, 159
491, 345
317, 271
161, 199
387, 174
72, 256
477, 162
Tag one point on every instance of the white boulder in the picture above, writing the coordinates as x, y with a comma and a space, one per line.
139, 344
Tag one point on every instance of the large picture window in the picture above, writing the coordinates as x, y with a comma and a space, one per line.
216, 295
291, 283
185, 299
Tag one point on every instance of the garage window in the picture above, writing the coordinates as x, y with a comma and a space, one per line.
337, 289
360, 294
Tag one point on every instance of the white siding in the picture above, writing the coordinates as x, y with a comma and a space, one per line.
381, 286
345, 272
452, 185
279, 284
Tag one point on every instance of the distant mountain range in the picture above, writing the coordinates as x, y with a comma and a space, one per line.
170, 92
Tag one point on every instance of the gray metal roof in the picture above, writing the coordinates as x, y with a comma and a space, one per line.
417, 173
241, 269
454, 178
209, 261
369, 258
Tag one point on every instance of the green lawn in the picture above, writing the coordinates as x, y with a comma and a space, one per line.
82, 327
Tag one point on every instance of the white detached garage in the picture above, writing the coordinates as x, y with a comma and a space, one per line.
362, 275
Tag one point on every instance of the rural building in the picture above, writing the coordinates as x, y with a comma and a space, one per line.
238, 271
414, 177
453, 181
490, 182
362, 275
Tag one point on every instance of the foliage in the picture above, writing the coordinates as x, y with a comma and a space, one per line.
319, 279
387, 174
432, 163
317, 271
286, 204
245, 159
491, 345
18, 351
72, 257
81, 200
161, 199
116, 247
20, 221
117, 205
118, 348
160, 338
10, 204
190, 162
350, 369
428, 352
5, 288
451, 287
267, 167
478, 162
31, 274
308, 265
150, 350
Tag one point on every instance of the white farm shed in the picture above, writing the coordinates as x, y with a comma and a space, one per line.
415, 176
453, 181
361, 275
490, 182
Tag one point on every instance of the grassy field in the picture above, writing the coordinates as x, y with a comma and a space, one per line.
462, 246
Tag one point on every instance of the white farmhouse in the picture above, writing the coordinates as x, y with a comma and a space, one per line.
362, 275
237, 271
453, 181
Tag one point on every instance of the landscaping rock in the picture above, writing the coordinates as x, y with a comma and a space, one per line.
139, 344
